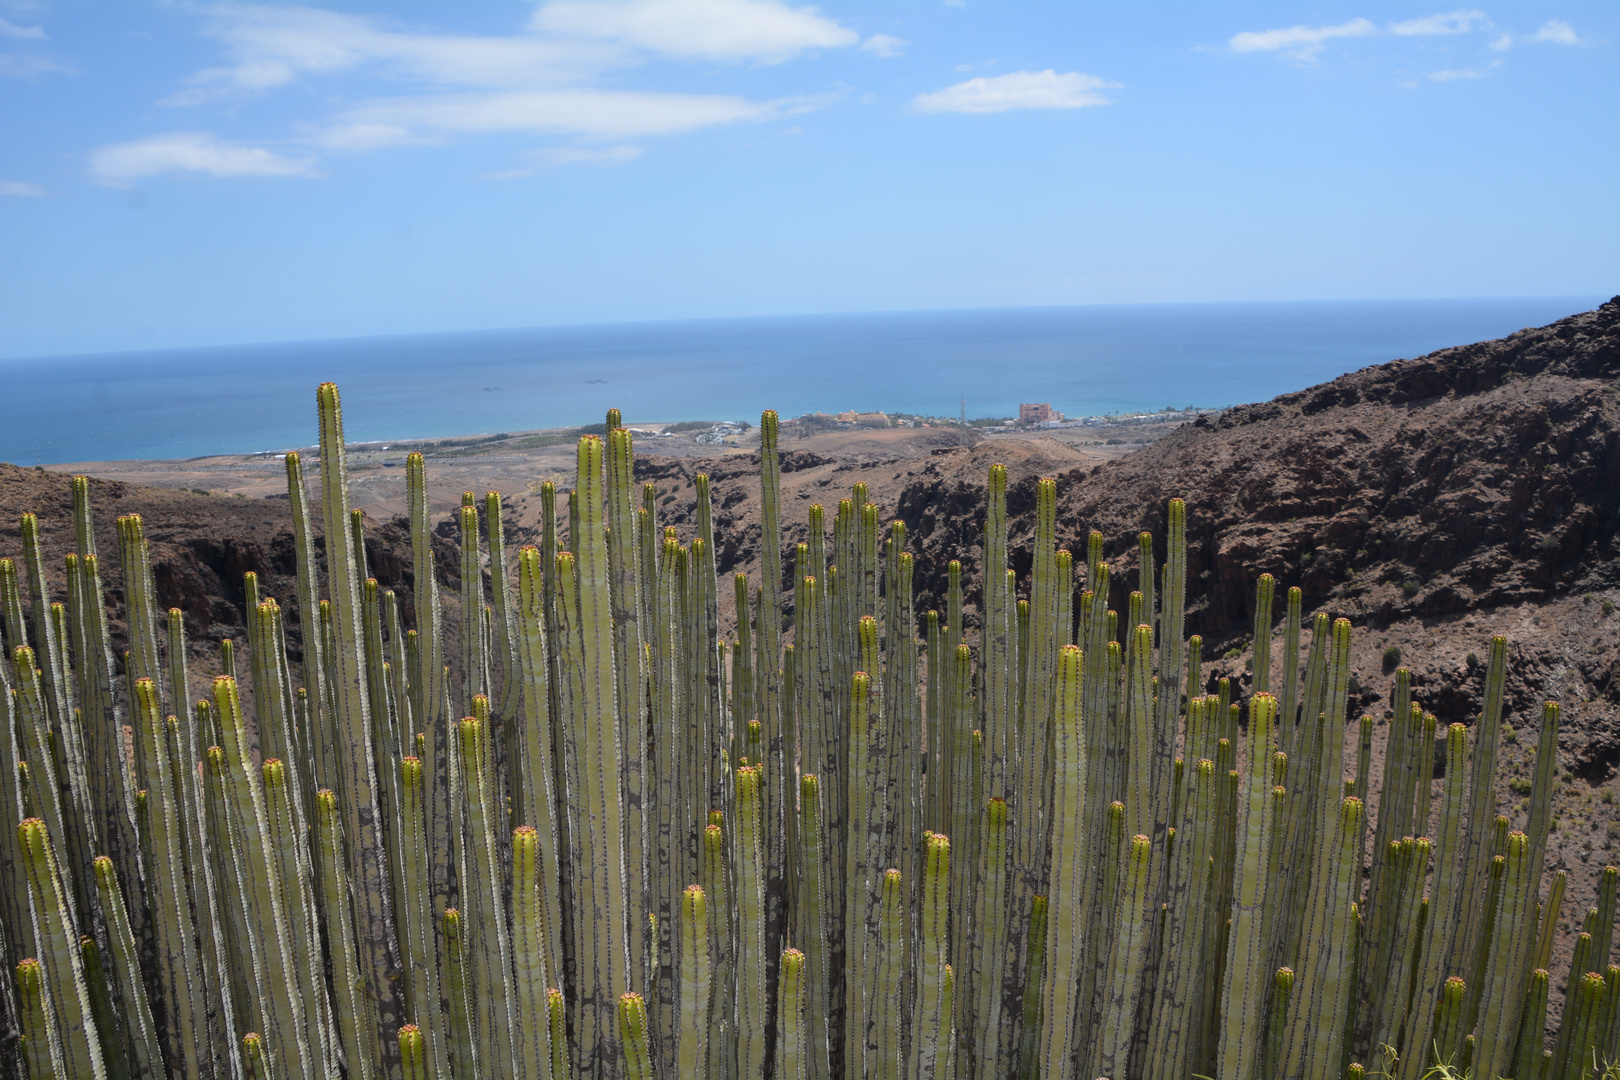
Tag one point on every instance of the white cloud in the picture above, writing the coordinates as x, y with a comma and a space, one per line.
274, 46
1452, 74
1461, 21
21, 190
708, 29
1556, 32
189, 151
1503, 42
31, 66
603, 114
556, 157
11, 29
1299, 42
885, 46
1017, 90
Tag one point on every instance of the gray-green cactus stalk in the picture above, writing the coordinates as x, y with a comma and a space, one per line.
362, 826
1247, 954
42, 1050
64, 965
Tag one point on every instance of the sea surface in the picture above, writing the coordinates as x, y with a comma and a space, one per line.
1085, 361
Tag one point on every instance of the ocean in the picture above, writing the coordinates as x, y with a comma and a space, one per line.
1085, 361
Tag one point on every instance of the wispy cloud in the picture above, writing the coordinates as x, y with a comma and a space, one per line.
885, 46
1017, 90
1298, 42
271, 47
1461, 21
556, 157
759, 30
13, 30
1453, 74
199, 152
1556, 32
540, 79
602, 114
19, 189
32, 66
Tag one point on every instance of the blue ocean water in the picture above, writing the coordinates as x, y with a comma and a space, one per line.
1084, 360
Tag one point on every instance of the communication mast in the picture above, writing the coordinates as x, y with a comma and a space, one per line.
964, 408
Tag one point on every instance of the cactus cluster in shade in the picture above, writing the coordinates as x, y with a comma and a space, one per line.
616, 844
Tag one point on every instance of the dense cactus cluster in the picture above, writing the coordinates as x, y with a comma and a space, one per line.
618, 845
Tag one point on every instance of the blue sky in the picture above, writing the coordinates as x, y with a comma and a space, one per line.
197, 173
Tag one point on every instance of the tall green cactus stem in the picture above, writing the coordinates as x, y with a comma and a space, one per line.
64, 965
1541, 791
1316, 1027
1132, 923
997, 693
779, 753
1481, 811
1603, 935
531, 1033
812, 924
1532, 1027
595, 789
885, 1056
987, 948
1542, 957
534, 795
1068, 914
1282, 989
44, 789
715, 872
1260, 664
413, 1057
474, 660
1182, 987
931, 1026
1391, 999
1034, 986
862, 854
463, 1046
287, 840
1578, 1035
750, 1008
256, 1057
629, 660
15, 914
418, 925
429, 706
283, 1010
1441, 923
792, 1038
180, 973
368, 863
634, 1030
101, 1008
354, 1031
42, 1048
483, 910
696, 987
556, 1018
145, 1055
504, 644
1243, 993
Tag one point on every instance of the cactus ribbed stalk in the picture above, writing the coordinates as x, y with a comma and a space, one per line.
64, 964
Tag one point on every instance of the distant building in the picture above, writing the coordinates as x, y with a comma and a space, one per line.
1038, 413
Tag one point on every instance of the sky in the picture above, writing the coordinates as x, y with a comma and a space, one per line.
179, 173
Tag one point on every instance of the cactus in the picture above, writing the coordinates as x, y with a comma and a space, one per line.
633, 1032
81, 1054
1246, 961
607, 730
41, 1048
